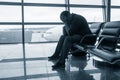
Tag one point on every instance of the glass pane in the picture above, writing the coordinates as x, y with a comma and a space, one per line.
10, 34
115, 14
11, 55
92, 15
11, 0
90, 2
43, 33
10, 13
115, 2
46, 1
42, 14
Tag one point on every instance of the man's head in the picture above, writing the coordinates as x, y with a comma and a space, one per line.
65, 16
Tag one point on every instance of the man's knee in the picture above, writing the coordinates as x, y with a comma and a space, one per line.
62, 37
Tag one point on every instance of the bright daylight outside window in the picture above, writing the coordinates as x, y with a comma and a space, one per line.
115, 11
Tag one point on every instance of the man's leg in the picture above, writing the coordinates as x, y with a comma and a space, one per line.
65, 49
68, 42
58, 48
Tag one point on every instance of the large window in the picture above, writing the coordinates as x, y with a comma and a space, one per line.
39, 12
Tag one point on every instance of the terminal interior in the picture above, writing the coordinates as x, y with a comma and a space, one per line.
30, 30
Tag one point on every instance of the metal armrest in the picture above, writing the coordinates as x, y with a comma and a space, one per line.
89, 39
108, 43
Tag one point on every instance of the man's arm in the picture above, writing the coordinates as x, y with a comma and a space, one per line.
67, 28
64, 31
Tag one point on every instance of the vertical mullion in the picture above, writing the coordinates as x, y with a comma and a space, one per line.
23, 41
104, 11
67, 3
108, 10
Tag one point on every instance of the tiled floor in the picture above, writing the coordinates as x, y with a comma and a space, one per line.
39, 68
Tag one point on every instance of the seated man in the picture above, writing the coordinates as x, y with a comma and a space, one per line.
75, 28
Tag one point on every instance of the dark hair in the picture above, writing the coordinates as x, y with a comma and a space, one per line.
65, 13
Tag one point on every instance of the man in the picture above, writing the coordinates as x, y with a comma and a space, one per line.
75, 28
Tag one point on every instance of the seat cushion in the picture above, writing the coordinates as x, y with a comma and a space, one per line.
107, 55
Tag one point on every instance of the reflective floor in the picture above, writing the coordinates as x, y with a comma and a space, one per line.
39, 68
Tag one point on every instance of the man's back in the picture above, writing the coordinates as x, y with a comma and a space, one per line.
79, 25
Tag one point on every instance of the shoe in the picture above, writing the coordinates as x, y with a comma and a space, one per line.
53, 58
58, 66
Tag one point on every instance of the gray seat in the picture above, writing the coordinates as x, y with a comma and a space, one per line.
109, 39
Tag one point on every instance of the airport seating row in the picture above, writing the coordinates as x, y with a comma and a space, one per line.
105, 45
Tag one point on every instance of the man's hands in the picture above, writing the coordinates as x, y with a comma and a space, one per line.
67, 28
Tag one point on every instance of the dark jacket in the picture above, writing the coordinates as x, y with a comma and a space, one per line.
78, 25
